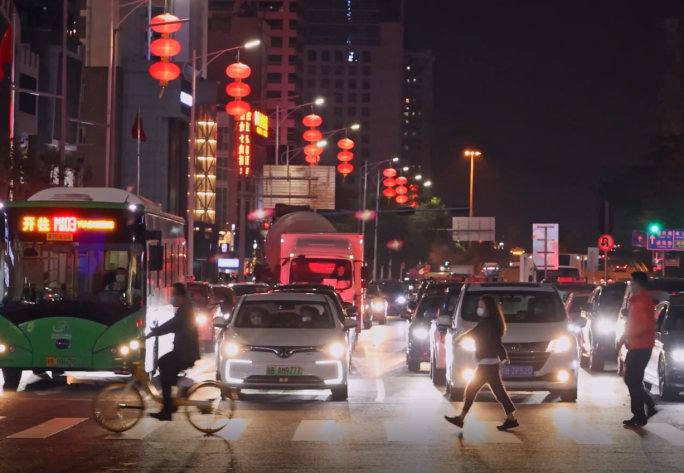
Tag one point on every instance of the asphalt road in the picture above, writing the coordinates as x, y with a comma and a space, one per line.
391, 423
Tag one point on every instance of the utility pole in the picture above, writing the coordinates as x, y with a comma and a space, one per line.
191, 172
377, 216
62, 146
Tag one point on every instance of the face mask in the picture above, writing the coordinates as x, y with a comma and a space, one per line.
480, 312
120, 278
306, 319
256, 320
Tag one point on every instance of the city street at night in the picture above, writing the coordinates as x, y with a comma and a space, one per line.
393, 421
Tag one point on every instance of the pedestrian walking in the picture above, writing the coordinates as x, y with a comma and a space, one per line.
489, 354
639, 337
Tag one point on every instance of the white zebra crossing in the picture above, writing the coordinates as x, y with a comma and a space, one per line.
141, 430
49, 428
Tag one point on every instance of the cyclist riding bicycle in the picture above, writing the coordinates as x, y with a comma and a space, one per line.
185, 348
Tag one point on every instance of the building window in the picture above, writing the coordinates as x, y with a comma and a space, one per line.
293, 41
311, 83
273, 94
274, 59
366, 70
365, 98
365, 139
339, 56
366, 112
365, 153
339, 70
353, 70
27, 102
365, 126
293, 24
275, 24
352, 56
352, 98
325, 83
339, 98
277, 41
223, 141
221, 168
311, 69
291, 93
338, 111
325, 70
339, 84
312, 55
351, 111
294, 6
292, 77
292, 60
352, 84
366, 55
366, 85
274, 77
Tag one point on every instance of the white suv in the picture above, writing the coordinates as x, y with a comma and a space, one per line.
542, 349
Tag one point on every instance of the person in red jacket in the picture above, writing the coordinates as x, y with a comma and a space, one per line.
639, 338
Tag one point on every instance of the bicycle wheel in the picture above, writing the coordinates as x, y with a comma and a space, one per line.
212, 412
118, 407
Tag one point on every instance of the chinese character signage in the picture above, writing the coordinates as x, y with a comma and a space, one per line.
261, 124
31, 223
666, 240
244, 143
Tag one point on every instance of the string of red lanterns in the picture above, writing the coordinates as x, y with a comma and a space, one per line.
345, 156
313, 136
389, 183
414, 196
238, 89
165, 47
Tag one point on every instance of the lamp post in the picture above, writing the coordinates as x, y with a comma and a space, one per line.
291, 110
472, 154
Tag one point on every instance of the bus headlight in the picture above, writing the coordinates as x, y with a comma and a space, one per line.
559, 345
124, 350
3, 348
677, 355
134, 345
468, 344
201, 319
337, 350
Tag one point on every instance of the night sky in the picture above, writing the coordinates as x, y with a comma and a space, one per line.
557, 105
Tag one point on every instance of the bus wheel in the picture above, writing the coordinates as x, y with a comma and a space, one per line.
12, 377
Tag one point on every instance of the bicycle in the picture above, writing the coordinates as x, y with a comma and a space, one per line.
206, 407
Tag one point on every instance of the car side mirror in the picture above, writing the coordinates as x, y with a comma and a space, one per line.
413, 305
220, 322
155, 260
444, 321
351, 311
349, 324
405, 316
624, 312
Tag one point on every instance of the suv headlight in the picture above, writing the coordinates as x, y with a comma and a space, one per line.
400, 300
231, 349
378, 304
678, 356
337, 350
606, 326
468, 344
559, 345
420, 333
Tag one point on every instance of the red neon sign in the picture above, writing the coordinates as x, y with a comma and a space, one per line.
65, 224
244, 143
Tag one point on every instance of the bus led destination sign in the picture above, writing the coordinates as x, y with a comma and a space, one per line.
31, 223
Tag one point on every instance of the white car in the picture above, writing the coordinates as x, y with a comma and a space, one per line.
284, 341
543, 351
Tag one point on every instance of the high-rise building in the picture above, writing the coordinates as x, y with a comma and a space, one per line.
352, 54
417, 110
672, 106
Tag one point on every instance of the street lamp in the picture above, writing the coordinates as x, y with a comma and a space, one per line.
291, 110
418, 177
427, 183
405, 168
395, 160
472, 154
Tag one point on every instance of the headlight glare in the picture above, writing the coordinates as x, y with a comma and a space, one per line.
232, 349
124, 350
400, 300
201, 319
378, 305
606, 326
337, 350
678, 356
468, 344
3, 348
420, 333
559, 345
134, 345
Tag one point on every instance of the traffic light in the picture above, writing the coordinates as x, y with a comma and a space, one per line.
654, 228
446, 264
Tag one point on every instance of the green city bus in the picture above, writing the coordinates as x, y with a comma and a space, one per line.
83, 273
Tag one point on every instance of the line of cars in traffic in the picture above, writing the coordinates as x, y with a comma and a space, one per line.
553, 329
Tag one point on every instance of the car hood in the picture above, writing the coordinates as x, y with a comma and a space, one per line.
421, 322
286, 337
528, 333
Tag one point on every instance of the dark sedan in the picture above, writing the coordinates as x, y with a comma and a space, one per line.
417, 335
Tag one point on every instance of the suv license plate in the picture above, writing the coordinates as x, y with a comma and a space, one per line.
508, 371
284, 370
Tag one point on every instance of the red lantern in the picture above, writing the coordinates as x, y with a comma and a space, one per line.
164, 71
365, 215
414, 196
312, 160
313, 150
414, 204
401, 180
401, 190
238, 71
389, 193
165, 18
237, 108
313, 135
312, 120
413, 188
345, 156
401, 199
238, 89
395, 245
345, 168
345, 143
389, 182
165, 47
389, 172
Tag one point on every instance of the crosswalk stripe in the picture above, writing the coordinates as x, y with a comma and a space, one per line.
381, 391
141, 430
588, 436
48, 428
667, 432
318, 431
411, 431
231, 432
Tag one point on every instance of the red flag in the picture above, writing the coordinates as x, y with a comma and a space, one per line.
138, 122
6, 50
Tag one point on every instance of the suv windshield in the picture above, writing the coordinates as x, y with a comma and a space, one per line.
518, 306
391, 286
284, 314
242, 289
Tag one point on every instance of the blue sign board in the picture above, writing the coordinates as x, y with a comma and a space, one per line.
639, 239
666, 240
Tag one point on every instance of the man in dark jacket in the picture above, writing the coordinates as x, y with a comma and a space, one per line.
185, 348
